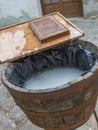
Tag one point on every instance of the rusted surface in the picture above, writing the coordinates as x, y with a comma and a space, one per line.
65, 107
33, 44
47, 28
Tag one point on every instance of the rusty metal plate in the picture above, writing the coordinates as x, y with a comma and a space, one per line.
47, 28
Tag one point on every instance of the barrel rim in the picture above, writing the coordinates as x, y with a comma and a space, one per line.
64, 86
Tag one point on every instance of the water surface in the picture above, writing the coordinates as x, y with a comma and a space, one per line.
52, 78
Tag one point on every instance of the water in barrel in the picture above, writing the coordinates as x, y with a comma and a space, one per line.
52, 78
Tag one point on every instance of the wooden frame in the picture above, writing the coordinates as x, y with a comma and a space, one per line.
33, 45
62, 9
48, 28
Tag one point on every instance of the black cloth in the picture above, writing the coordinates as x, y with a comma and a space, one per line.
73, 56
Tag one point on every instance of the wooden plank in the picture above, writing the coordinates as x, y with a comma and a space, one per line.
73, 8
69, 8
11, 51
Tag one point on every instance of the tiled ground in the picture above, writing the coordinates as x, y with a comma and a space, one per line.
12, 118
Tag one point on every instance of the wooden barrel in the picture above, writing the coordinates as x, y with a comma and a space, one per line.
65, 107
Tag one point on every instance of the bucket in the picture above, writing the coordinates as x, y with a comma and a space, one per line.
67, 106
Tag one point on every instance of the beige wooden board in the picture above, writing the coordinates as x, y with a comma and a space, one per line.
18, 41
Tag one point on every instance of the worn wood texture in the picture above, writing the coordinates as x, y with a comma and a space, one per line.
48, 28
69, 8
33, 45
65, 107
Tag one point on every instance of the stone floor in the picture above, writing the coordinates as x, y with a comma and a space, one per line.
12, 118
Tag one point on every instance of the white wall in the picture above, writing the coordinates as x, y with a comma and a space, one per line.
12, 11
